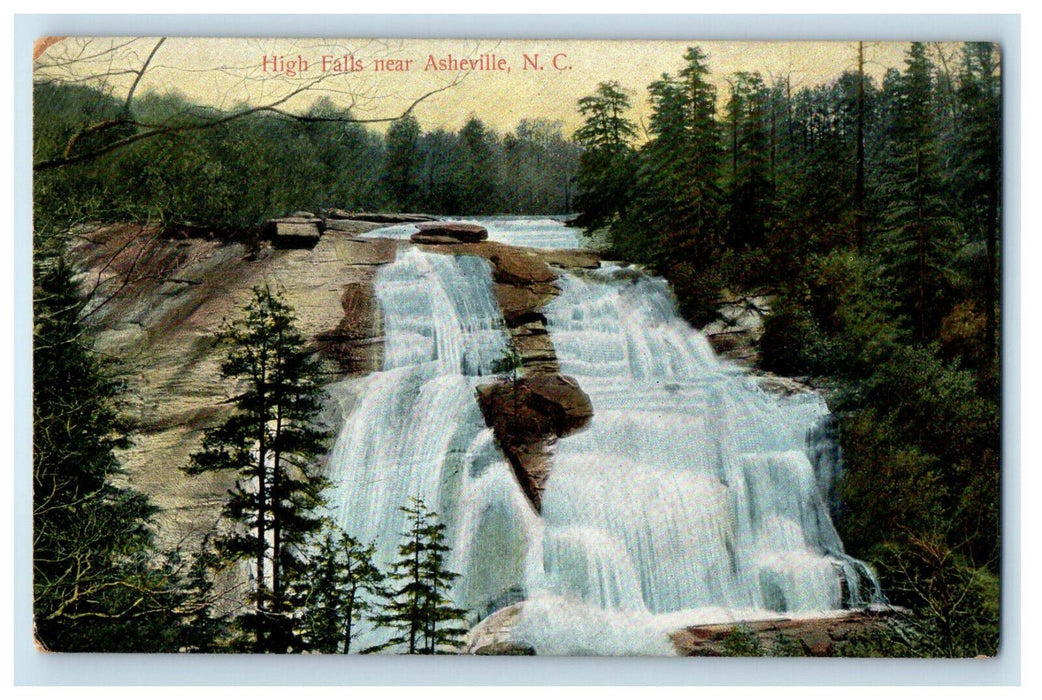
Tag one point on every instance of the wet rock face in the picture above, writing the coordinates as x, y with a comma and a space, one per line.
529, 415
448, 232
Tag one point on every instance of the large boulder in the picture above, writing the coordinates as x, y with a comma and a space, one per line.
527, 417
492, 636
295, 231
565, 405
448, 232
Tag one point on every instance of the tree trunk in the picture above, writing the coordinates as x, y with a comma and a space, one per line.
276, 527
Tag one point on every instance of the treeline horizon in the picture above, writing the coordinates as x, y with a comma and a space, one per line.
232, 176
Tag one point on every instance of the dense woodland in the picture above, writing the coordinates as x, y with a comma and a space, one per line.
869, 213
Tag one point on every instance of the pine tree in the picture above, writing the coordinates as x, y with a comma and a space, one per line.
978, 177
270, 441
478, 178
418, 610
918, 236
341, 581
606, 166
682, 164
750, 188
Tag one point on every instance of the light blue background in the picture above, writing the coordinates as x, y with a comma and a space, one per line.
33, 668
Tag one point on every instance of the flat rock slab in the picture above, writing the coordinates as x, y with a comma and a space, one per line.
816, 636
377, 218
349, 226
447, 232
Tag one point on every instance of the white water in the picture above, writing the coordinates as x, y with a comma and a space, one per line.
414, 429
691, 496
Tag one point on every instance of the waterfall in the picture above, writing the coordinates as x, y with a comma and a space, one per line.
413, 429
692, 496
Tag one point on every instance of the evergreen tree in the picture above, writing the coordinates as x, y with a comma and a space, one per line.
341, 580
419, 611
606, 167
978, 176
99, 581
271, 443
402, 169
750, 191
478, 177
440, 172
917, 240
681, 164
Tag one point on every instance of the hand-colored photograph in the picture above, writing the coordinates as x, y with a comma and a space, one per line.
519, 347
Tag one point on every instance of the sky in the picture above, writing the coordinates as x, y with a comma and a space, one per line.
508, 80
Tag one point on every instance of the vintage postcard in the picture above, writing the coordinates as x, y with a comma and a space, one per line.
518, 347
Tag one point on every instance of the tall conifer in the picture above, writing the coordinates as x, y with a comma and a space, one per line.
270, 441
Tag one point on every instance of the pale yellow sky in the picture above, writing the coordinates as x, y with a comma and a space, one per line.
225, 72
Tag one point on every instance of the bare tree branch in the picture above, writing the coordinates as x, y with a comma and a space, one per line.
65, 65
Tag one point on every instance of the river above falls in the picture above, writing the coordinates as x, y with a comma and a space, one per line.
531, 232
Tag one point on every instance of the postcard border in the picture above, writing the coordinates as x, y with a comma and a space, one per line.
33, 668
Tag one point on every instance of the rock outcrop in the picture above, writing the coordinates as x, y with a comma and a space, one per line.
811, 636
491, 636
527, 417
165, 295
159, 301
448, 233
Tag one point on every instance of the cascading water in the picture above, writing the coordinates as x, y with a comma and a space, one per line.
413, 429
692, 496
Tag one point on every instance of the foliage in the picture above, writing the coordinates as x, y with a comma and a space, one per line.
271, 443
229, 177
418, 609
606, 165
99, 581
401, 171
342, 580
741, 641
